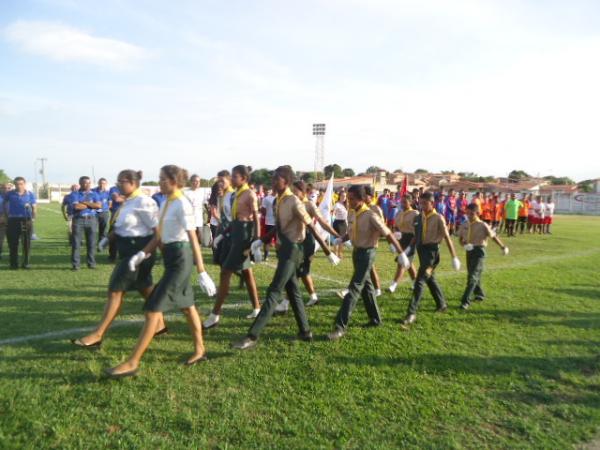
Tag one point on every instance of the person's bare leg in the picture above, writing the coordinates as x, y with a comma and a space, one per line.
222, 291
375, 278
308, 284
111, 309
143, 342
399, 274
145, 292
193, 319
251, 286
412, 272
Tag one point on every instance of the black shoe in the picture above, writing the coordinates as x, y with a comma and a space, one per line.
165, 330
245, 344
74, 268
93, 346
26, 266
91, 266
14, 267
442, 309
305, 336
372, 324
336, 334
479, 298
409, 320
203, 358
465, 306
115, 376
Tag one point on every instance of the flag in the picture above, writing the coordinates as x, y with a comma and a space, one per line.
404, 187
325, 210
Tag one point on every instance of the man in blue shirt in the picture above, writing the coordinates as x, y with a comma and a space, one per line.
3, 190
103, 213
116, 200
160, 198
85, 204
67, 209
19, 208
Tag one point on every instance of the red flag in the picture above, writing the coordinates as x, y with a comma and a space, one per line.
404, 188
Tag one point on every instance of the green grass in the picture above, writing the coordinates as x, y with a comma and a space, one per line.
518, 370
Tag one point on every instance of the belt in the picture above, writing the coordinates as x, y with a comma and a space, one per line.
179, 244
85, 217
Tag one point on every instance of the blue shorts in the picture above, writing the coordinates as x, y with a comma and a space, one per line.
450, 218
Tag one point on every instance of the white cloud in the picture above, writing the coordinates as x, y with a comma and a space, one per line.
64, 43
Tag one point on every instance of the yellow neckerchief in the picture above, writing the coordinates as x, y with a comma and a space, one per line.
364, 208
427, 216
280, 198
403, 213
133, 195
243, 188
222, 207
477, 219
174, 196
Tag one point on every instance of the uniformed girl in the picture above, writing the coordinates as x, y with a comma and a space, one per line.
132, 227
243, 230
404, 224
365, 229
309, 246
340, 219
292, 220
176, 236
473, 235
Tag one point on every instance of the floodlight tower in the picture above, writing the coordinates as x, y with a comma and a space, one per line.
319, 133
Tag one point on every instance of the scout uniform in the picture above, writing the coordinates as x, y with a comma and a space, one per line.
224, 204
241, 234
291, 221
310, 244
173, 291
405, 223
18, 208
103, 214
365, 229
114, 193
84, 222
430, 230
475, 233
133, 227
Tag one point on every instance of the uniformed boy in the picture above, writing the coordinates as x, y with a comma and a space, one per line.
430, 231
103, 213
365, 230
20, 210
292, 221
85, 205
405, 233
473, 235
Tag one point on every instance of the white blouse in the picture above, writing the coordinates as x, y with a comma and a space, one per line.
137, 217
196, 198
177, 220
340, 212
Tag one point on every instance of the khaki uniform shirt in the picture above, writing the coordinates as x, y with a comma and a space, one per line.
405, 221
479, 234
435, 229
292, 218
370, 228
246, 206
312, 210
377, 210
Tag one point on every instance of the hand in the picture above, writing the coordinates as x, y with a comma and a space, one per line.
338, 241
403, 260
257, 244
398, 234
348, 244
505, 250
216, 240
393, 249
207, 284
468, 247
456, 263
103, 244
136, 260
333, 259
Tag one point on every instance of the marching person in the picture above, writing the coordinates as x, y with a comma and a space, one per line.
68, 211
365, 230
430, 230
85, 205
103, 213
405, 233
267, 211
20, 212
116, 200
308, 247
340, 219
473, 236
196, 197
176, 233
292, 223
133, 227
243, 230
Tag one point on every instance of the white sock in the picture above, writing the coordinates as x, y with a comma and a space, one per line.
393, 286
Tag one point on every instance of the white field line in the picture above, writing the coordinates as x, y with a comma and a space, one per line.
43, 208
138, 319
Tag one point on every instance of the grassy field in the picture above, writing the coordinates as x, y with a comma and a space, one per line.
519, 370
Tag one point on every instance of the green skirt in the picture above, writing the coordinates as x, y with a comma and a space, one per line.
238, 256
122, 279
173, 291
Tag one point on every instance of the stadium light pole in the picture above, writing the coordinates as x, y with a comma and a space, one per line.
319, 133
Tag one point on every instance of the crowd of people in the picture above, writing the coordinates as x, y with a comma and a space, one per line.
246, 224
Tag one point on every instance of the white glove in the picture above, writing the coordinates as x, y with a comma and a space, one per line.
206, 284
218, 239
348, 244
136, 260
468, 247
393, 249
103, 244
338, 241
256, 245
398, 234
333, 259
456, 263
403, 260
505, 251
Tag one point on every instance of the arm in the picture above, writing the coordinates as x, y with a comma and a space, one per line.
33, 211
63, 208
392, 240
326, 226
499, 242
319, 239
196, 250
449, 244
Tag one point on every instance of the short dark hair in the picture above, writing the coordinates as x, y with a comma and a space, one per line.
300, 185
357, 191
473, 207
427, 196
369, 190
100, 180
176, 174
286, 173
408, 197
18, 179
224, 173
85, 177
242, 170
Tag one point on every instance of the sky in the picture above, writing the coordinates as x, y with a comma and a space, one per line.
477, 86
